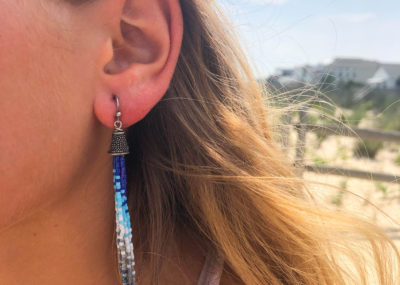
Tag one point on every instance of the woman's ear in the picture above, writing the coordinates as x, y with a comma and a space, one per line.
143, 49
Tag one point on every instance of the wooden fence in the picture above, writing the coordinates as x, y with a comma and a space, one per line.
364, 134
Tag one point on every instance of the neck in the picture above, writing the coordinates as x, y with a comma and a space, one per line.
72, 241
68, 242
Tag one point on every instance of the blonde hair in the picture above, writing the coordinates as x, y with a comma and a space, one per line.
204, 161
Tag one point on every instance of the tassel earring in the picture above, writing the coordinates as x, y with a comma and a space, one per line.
118, 149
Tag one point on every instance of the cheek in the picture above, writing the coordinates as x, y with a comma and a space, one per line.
47, 125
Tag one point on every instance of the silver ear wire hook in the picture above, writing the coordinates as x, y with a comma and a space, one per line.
117, 101
119, 144
117, 122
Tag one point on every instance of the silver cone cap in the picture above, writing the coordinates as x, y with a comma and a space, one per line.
119, 143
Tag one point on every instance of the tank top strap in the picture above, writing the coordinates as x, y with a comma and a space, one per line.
212, 270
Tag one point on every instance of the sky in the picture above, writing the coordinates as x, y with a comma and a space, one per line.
289, 33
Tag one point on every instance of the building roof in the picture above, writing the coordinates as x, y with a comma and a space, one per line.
353, 61
364, 69
393, 70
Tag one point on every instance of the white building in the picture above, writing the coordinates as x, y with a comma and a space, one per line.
307, 74
371, 73
386, 77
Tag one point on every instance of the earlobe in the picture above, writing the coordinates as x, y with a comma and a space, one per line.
145, 52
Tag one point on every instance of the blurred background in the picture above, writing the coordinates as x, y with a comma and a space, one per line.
337, 65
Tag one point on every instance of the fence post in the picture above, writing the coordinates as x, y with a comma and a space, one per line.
285, 130
301, 141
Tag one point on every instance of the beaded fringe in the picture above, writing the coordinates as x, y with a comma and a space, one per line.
123, 223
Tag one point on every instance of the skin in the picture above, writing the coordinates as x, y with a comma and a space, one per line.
59, 66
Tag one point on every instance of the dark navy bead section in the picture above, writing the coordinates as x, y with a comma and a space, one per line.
123, 223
